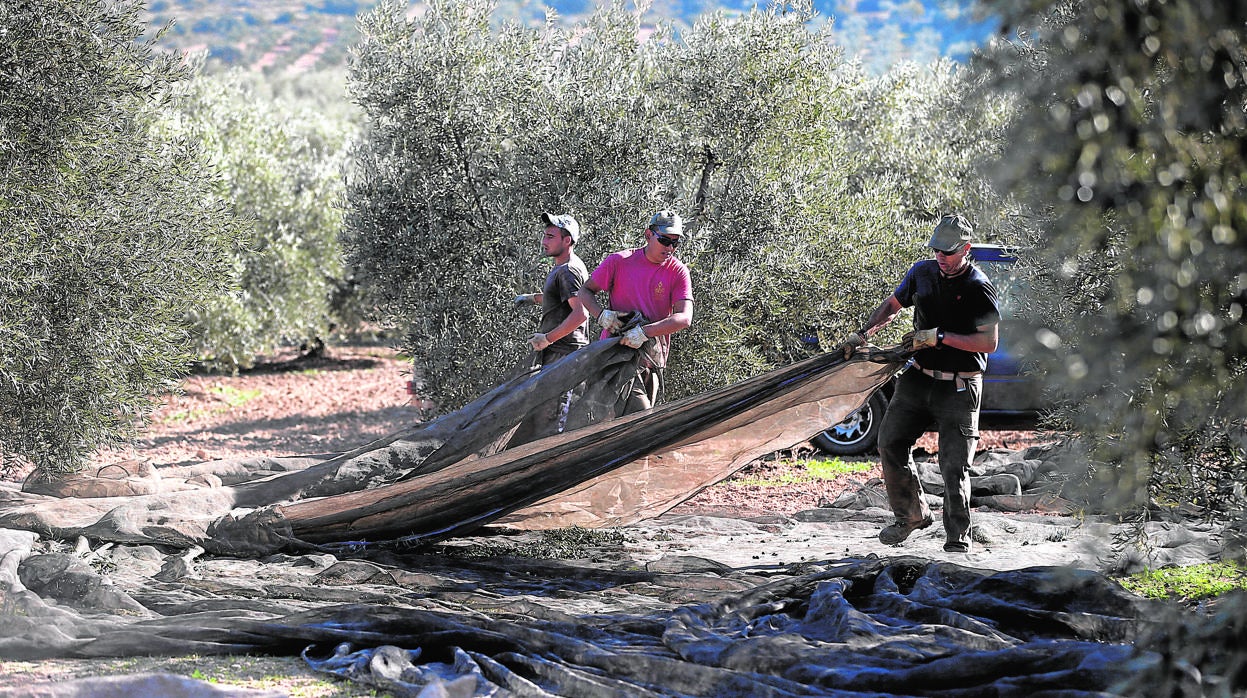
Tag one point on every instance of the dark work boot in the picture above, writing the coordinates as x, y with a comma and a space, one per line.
899, 531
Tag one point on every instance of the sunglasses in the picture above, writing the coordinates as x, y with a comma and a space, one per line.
667, 241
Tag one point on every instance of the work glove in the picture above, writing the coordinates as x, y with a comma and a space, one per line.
538, 341
634, 337
525, 299
921, 339
851, 343
610, 321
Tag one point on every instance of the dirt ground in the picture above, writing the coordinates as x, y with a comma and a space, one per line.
350, 396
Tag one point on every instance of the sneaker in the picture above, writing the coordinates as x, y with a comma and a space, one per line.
956, 546
899, 531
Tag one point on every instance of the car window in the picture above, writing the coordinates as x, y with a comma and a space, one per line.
1009, 284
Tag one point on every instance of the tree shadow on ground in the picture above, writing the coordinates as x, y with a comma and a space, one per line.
299, 435
306, 358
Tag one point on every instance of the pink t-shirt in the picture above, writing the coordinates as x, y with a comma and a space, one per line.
635, 283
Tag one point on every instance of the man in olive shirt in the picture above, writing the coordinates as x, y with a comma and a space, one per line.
564, 321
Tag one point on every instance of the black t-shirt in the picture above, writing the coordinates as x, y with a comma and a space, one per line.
561, 284
959, 305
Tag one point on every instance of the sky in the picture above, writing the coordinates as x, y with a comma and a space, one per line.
879, 32
883, 31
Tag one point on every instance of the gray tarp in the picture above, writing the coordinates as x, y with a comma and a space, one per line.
679, 626
427, 483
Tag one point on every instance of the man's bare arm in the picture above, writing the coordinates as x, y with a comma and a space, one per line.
588, 295
681, 317
983, 340
881, 316
575, 319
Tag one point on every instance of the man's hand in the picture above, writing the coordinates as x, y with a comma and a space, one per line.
851, 344
610, 321
525, 299
538, 341
634, 337
922, 339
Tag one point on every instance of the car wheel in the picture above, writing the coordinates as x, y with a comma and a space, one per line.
857, 434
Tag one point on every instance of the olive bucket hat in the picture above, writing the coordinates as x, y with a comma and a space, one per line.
951, 233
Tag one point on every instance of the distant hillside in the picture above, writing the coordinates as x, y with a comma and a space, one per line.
288, 37
260, 35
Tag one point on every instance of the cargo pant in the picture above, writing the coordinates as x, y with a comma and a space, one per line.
953, 407
643, 392
646, 387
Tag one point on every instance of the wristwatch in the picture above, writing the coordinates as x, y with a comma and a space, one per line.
939, 338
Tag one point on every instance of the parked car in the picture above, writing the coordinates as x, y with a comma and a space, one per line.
1008, 394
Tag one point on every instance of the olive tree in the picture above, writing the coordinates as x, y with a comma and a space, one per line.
110, 236
826, 213
281, 163
752, 127
1131, 145
472, 133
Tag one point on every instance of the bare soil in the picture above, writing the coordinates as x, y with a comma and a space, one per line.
290, 405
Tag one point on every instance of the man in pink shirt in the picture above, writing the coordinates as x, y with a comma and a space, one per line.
651, 281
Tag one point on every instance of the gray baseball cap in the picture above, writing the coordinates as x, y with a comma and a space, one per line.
951, 233
667, 223
564, 221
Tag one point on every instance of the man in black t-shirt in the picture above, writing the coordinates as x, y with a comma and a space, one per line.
564, 320
956, 322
